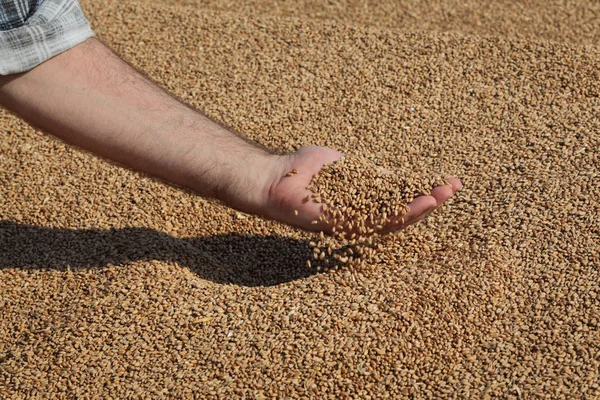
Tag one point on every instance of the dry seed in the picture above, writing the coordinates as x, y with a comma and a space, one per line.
478, 263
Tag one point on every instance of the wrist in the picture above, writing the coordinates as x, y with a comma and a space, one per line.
251, 195
244, 181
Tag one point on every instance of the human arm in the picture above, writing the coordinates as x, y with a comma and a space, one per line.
89, 97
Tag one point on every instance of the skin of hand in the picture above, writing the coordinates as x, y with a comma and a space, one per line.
89, 97
288, 193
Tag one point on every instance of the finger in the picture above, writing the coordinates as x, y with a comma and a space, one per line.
318, 156
422, 206
441, 194
455, 183
416, 211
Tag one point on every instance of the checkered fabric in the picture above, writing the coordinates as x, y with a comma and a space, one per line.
32, 31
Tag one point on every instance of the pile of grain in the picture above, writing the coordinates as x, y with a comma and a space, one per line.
571, 21
359, 201
114, 284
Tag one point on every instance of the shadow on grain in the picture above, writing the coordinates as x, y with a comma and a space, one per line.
244, 260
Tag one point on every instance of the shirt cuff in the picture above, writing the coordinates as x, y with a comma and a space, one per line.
55, 27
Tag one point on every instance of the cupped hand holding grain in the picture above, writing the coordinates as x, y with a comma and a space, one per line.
291, 201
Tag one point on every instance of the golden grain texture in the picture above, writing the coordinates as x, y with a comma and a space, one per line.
115, 285
360, 201
571, 21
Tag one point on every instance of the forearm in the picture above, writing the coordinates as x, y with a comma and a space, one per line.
89, 97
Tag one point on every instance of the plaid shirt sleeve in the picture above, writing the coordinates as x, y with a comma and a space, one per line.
32, 31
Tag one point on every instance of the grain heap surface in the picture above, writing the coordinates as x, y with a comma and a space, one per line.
572, 21
112, 284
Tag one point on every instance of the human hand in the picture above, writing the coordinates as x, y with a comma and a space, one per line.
286, 195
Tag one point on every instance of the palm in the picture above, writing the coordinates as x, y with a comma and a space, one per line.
288, 195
